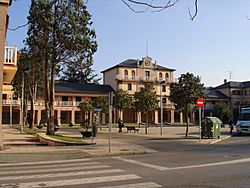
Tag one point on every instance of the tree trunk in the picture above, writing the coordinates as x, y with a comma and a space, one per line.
32, 106
46, 88
31, 125
25, 111
146, 126
51, 102
187, 123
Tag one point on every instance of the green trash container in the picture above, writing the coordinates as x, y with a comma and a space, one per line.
210, 127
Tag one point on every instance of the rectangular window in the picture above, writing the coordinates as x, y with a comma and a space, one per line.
147, 75
78, 99
4, 96
163, 88
129, 86
164, 100
64, 98
14, 97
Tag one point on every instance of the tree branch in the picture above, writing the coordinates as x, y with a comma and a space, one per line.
195, 13
18, 27
158, 8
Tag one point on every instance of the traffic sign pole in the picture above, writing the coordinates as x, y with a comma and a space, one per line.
200, 104
200, 123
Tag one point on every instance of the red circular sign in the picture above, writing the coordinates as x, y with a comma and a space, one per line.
200, 102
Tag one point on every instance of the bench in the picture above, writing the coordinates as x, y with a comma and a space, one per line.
86, 134
132, 128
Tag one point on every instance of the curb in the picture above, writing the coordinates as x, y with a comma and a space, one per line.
112, 154
219, 140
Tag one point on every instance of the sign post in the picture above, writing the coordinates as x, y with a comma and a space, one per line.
200, 104
110, 117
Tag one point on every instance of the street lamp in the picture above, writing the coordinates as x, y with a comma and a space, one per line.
26, 70
11, 100
163, 83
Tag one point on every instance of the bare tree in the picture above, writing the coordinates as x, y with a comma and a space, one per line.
156, 7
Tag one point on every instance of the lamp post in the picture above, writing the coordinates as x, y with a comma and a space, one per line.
11, 100
161, 105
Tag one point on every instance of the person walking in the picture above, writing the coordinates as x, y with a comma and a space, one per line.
231, 126
120, 125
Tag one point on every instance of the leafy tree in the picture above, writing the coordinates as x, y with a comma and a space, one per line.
122, 100
146, 100
221, 111
101, 102
60, 30
185, 92
86, 107
29, 69
79, 73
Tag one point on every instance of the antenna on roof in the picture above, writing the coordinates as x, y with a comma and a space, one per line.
230, 75
146, 48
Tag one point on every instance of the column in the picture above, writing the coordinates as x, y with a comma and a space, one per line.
156, 117
39, 114
59, 117
172, 116
192, 117
91, 119
121, 115
138, 117
103, 118
73, 117
20, 118
181, 117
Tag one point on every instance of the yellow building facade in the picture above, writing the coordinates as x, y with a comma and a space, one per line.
4, 20
132, 75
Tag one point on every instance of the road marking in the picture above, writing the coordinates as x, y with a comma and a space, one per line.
49, 166
45, 162
136, 185
11, 172
218, 140
235, 141
237, 161
64, 174
79, 181
156, 167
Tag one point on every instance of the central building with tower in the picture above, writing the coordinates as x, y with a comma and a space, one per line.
133, 74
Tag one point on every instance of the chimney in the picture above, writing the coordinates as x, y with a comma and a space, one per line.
137, 62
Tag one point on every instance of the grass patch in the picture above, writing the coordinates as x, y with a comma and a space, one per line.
67, 139
67, 125
32, 132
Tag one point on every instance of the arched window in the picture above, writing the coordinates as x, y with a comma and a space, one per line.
133, 74
126, 74
160, 76
166, 76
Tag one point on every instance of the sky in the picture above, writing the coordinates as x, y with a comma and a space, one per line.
215, 46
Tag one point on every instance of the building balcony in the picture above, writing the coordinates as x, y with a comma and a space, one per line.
9, 64
147, 78
127, 78
9, 102
42, 103
10, 56
64, 103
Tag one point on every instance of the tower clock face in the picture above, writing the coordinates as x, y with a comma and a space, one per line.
147, 62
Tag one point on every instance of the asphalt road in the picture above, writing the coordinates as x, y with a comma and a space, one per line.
176, 164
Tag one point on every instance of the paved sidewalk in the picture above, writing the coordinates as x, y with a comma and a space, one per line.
22, 148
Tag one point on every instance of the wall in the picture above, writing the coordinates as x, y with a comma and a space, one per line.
3, 12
